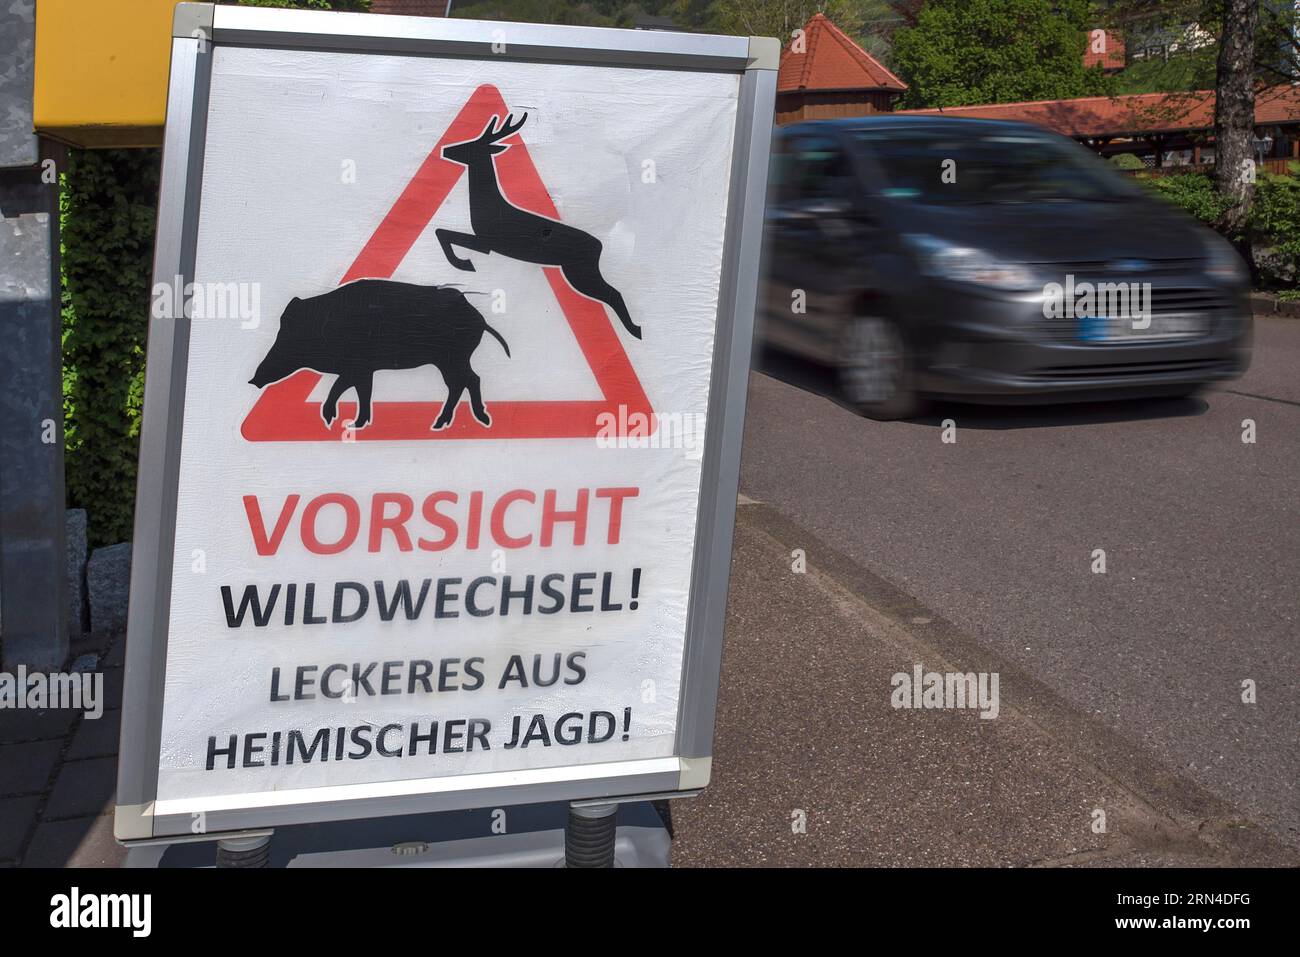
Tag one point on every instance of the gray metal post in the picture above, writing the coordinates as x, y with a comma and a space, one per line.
33, 603
590, 835
244, 851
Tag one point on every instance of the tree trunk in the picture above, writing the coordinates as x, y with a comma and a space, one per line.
1234, 114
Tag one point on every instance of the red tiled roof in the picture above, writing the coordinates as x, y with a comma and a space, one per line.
1112, 55
1134, 114
831, 61
410, 8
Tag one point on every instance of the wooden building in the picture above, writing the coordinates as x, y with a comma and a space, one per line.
824, 75
1163, 129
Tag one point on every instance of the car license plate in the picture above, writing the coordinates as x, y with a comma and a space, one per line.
1166, 326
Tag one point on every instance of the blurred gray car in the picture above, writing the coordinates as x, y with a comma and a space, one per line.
989, 262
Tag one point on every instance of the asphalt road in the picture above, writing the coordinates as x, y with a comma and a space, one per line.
995, 532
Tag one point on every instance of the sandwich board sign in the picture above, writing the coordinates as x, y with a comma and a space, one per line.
446, 374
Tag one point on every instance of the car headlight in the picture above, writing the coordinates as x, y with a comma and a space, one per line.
945, 260
1223, 263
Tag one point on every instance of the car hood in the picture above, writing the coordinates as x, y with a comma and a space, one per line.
1064, 232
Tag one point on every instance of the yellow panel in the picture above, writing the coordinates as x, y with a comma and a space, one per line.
101, 70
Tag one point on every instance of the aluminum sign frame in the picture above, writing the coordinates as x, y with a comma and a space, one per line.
198, 28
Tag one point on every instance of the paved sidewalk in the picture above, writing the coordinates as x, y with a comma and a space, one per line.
58, 771
806, 734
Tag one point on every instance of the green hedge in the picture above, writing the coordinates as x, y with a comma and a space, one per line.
107, 214
1192, 192
1273, 224
1127, 161
1275, 227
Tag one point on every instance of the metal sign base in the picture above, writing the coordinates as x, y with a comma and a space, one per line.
535, 838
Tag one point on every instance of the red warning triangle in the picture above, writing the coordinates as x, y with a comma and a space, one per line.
284, 413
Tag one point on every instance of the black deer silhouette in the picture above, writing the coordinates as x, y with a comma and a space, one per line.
502, 227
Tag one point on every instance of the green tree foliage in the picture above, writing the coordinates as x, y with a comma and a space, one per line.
775, 18
1181, 27
1188, 23
1180, 73
1277, 42
966, 52
882, 19
780, 18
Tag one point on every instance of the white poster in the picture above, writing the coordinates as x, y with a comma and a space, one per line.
453, 325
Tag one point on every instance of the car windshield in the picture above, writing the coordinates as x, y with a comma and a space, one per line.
987, 167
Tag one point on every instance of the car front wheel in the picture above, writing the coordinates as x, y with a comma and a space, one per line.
875, 371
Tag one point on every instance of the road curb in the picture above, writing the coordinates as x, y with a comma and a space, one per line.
1266, 305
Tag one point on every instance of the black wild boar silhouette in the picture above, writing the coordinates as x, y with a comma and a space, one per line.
502, 227
358, 329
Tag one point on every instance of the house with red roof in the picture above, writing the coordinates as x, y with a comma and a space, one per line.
1154, 124
824, 74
